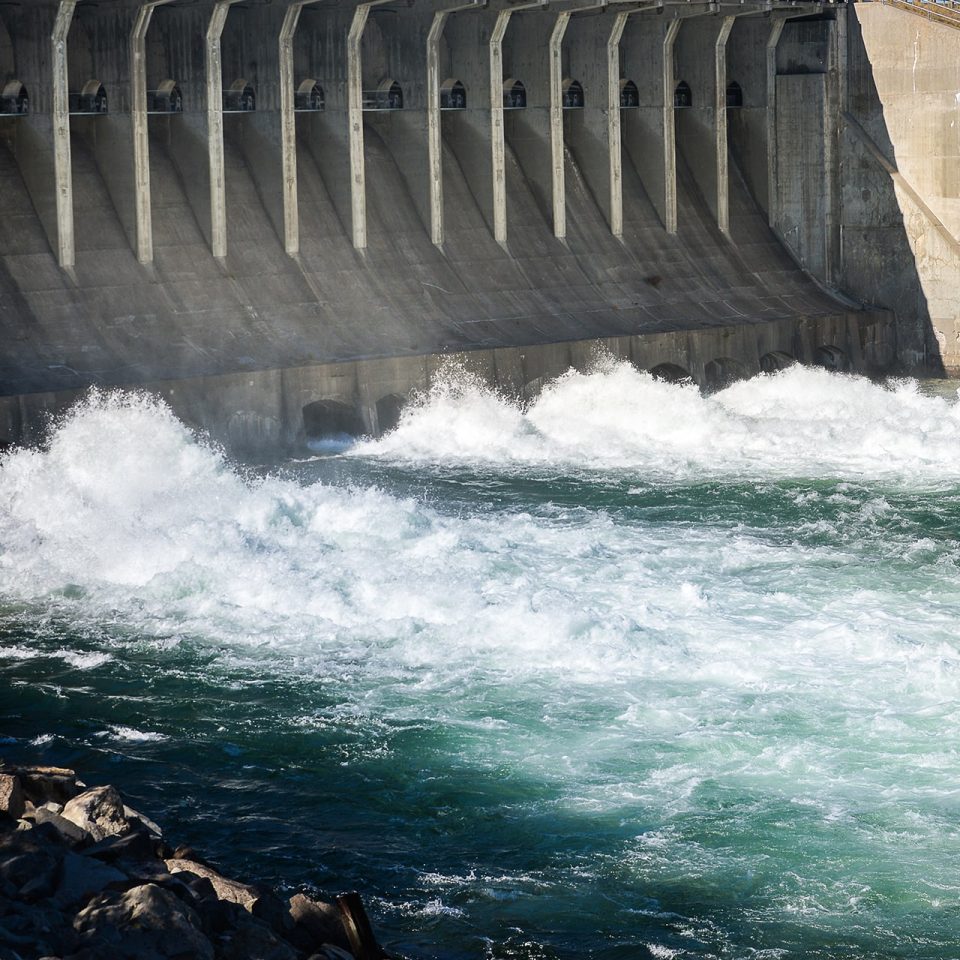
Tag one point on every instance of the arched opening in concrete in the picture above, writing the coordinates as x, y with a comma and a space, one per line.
310, 97
776, 360
331, 420
167, 98
734, 95
387, 96
832, 358
720, 372
453, 95
14, 99
629, 95
572, 94
389, 409
682, 96
91, 100
239, 97
514, 94
671, 373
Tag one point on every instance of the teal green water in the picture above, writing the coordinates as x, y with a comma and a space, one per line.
630, 673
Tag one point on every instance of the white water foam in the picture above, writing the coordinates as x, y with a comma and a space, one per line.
799, 422
630, 664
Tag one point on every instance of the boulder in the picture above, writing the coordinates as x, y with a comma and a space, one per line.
12, 799
23, 860
145, 921
317, 923
48, 784
82, 877
251, 939
98, 811
66, 828
136, 845
146, 822
229, 890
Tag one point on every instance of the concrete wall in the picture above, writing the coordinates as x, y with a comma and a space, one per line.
257, 311
901, 201
261, 414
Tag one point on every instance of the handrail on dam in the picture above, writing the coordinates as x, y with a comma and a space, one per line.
942, 11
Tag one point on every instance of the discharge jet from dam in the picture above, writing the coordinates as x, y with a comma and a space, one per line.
284, 216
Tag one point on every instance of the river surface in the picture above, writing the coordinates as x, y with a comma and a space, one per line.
630, 673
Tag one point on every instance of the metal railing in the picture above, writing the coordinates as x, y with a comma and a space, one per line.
943, 11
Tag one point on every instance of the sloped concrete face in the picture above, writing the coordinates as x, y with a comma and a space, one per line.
902, 194
220, 297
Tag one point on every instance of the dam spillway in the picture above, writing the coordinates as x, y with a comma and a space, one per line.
250, 208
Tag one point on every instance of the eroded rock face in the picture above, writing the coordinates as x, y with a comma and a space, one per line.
99, 811
145, 921
12, 799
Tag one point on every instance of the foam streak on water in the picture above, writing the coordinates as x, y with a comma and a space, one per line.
631, 672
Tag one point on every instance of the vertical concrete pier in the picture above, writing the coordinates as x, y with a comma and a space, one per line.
214, 70
62, 157
141, 138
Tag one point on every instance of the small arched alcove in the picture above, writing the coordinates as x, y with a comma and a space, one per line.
331, 420
734, 95
453, 95
671, 373
720, 372
14, 99
310, 97
239, 97
514, 94
572, 94
776, 360
167, 98
389, 409
629, 95
833, 358
387, 96
682, 96
91, 100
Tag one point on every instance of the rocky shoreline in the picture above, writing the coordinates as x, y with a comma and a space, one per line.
83, 876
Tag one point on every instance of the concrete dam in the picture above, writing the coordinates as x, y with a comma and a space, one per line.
283, 216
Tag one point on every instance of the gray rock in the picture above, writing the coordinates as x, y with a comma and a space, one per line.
137, 845
318, 922
251, 939
98, 811
144, 922
133, 815
229, 890
66, 828
82, 877
12, 799
22, 860
45, 784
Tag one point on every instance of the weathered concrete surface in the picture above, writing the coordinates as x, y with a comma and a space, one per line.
902, 174
261, 413
242, 342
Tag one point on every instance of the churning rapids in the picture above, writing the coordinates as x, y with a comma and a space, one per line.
633, 672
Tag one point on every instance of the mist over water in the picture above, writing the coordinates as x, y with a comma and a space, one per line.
630, 672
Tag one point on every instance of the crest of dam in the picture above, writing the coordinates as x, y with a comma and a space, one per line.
285, 218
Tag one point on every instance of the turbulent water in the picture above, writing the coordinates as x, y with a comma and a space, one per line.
630, 673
